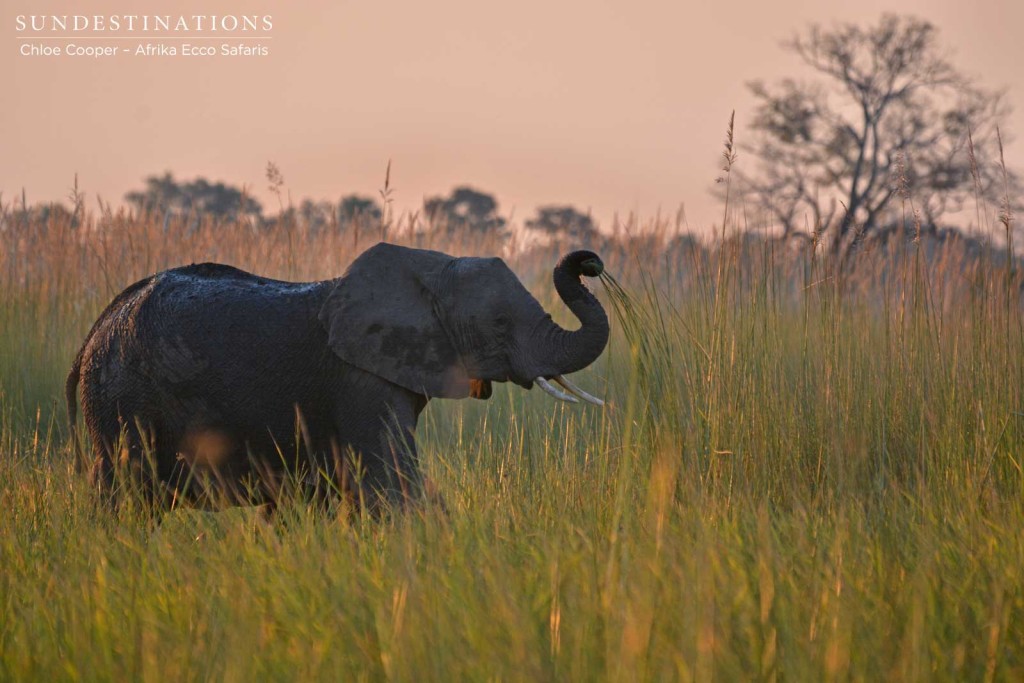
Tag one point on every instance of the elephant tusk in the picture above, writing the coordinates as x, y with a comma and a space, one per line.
546, 386
573, 389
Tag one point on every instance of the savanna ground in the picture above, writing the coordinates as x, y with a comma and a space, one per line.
803, 472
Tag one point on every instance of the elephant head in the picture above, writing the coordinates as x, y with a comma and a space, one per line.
447, 327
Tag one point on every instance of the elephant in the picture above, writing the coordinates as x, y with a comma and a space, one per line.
212, 386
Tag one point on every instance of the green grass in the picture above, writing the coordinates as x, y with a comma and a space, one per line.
800, 473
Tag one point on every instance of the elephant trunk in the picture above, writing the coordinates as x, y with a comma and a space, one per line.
571, 350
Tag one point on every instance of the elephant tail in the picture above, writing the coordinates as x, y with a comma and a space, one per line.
71, 398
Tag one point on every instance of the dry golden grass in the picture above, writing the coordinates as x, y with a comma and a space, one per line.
804, 470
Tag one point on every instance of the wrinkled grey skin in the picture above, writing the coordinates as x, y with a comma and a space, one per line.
206, 382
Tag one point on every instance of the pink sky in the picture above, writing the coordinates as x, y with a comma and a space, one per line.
612, 106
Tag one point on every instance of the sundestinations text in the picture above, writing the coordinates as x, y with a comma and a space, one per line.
111, 23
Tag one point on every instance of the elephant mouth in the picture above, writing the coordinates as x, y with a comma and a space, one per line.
480, 388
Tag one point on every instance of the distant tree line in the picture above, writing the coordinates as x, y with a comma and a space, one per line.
463, 209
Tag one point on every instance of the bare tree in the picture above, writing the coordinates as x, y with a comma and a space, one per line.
886, 99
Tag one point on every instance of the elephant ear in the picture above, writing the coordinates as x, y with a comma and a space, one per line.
381, 317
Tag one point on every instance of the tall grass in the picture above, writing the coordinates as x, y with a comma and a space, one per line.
807, 468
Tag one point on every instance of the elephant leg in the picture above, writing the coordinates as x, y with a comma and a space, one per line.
398, 446
102, 480
379, 467
374, 422
409, 485
119, 473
